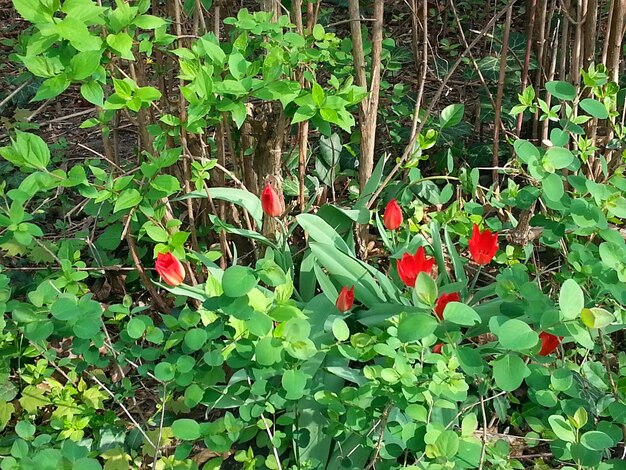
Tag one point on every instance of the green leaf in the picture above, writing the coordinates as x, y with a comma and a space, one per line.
594, 108
558, 158
41, 66
135, 327
213, 51
52, 87
195, 339
516, 335
84, 64
562, 428
65, 309
509, 372
268, 351
553, 187
526, 151
320, 231
241, 197
425, 289
93, 92
164, 371
571, 299
349, 271
596, 440
596, 317
415, 326
238, 281
166, 183
293, 382
186, 429
561, 90
318, 32
461, 314
121, 43
127, 199
303, 113
451, 115
149, 22
340, 329
33, 11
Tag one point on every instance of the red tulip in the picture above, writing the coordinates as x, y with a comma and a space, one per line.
549, 343
345, 299
483, 245
170, 269
409, 266
437, 348
270, 202
393, 215
443, 300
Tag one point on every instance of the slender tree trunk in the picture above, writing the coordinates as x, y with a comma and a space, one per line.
616, 36
368, 110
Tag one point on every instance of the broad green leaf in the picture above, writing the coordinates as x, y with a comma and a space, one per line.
571, 299
348, 271
451, 115
127, 199
516, 335
195, 339
596, 440
415, 326
293, 382
526, 151
241, 197
33, 11
121, 43
596, 317
320, 231
238, 281
186, 429
553, 186
557, 158
562, 428
84, 64
461, 314
93, 92
561, 90
425, 290
52, 87
594, 108
149, 22
509, 372
340, 329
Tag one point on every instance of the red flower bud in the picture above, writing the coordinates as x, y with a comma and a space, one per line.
443, 300
392, 217
483, 245
170, 269
345, 299
549, 343
409, 266
437, 348
270, 202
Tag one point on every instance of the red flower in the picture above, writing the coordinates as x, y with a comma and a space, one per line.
443, 300
483, 245
549, 343
393, 215
409, 266
437, 348
345, 299
170, 269
270, 202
